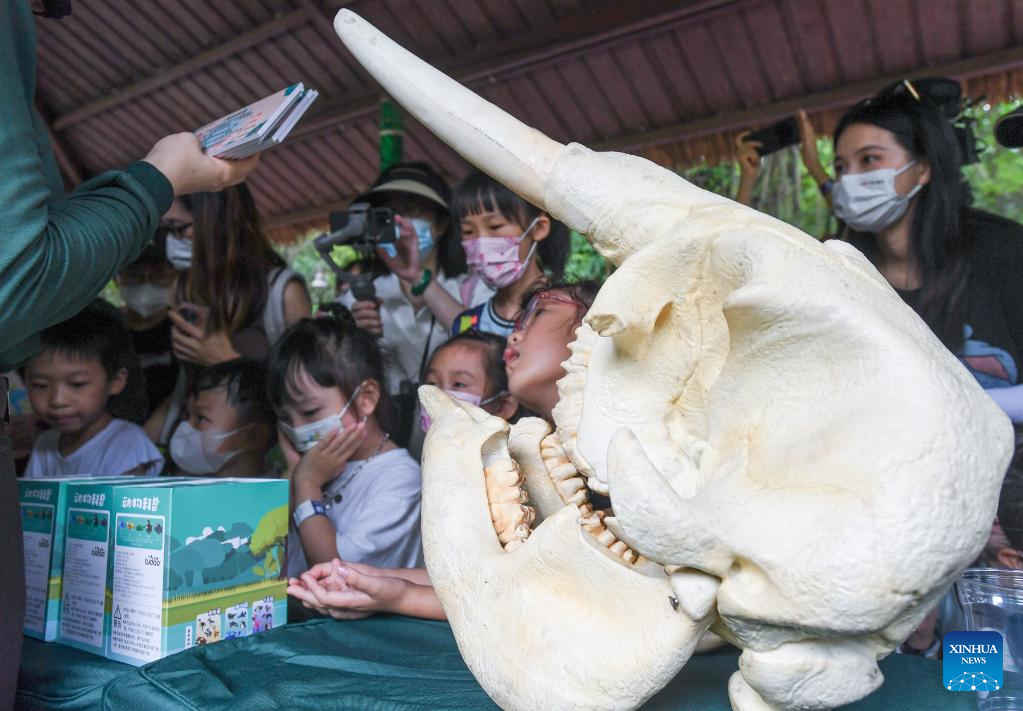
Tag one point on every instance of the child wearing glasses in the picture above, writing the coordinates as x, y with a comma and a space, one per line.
510, 245
533, 357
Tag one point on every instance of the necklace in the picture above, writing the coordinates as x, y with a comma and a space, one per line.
334, 497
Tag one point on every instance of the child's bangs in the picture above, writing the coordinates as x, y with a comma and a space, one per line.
479, 193
308, 365
298, 359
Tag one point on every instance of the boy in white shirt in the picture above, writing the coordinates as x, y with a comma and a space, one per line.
83, 364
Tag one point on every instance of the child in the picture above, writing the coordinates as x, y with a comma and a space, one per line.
231, 423
509, 243
470, 367
355, 494
72, 383
534, 355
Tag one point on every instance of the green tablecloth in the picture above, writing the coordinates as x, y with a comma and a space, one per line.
377, 664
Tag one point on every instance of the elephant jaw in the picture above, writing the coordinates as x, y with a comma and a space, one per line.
544, 617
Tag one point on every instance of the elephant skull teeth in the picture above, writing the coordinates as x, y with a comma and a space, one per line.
513, 519
507, 499
572, 489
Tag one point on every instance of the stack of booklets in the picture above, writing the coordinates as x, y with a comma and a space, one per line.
258, 126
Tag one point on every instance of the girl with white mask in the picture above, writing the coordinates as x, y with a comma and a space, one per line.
355, 494
510, 245
905, 204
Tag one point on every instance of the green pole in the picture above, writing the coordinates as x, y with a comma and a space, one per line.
392, 132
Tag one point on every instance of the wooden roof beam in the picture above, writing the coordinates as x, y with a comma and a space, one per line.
307, 12
571, 35
838, 98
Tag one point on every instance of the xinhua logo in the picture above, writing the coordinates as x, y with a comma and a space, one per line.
972, 661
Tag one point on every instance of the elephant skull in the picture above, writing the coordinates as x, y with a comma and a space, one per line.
793, 459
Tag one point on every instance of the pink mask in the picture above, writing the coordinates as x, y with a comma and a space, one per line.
496, 259
476, 400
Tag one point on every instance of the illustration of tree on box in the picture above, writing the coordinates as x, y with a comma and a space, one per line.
268, 541
238, 556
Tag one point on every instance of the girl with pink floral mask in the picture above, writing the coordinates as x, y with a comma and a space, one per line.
510, 245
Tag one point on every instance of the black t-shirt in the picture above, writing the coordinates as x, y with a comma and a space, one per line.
993, 328
159, 366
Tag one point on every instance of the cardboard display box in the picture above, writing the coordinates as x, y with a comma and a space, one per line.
179, 563
43, 504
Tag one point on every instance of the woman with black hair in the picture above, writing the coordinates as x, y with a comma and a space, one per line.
905, 205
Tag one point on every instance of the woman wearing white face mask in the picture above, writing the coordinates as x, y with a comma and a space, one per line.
905, 205
233, 295
145, 287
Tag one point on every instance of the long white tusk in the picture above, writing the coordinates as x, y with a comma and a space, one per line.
516, 155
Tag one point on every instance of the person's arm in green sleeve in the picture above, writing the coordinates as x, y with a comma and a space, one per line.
57, 252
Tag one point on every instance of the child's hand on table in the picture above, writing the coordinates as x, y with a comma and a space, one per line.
347, 591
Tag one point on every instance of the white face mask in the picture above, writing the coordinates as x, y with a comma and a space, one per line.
868, 202
195, 451
179, 252
477, 400
308, 436
145, 299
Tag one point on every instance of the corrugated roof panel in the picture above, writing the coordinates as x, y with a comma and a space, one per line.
986, 23
581, 90
652, 91
468, 25
573, 116
326, 57
808, 31
57, 90
942, 39
896, 36
702, 57
667, 50
353, 159
78, 62
738, 53
851, 28
183, 36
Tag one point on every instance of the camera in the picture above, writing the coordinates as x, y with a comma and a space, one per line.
947, 96
362, 228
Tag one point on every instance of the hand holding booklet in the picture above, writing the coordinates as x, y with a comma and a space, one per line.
258, 126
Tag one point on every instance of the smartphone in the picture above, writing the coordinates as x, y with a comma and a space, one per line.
779, 135
194, 314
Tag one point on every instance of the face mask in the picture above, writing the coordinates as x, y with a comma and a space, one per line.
423, 231
307, 436
496, 259
868, 202
195, 451
179, 252
477, 400
145, 299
